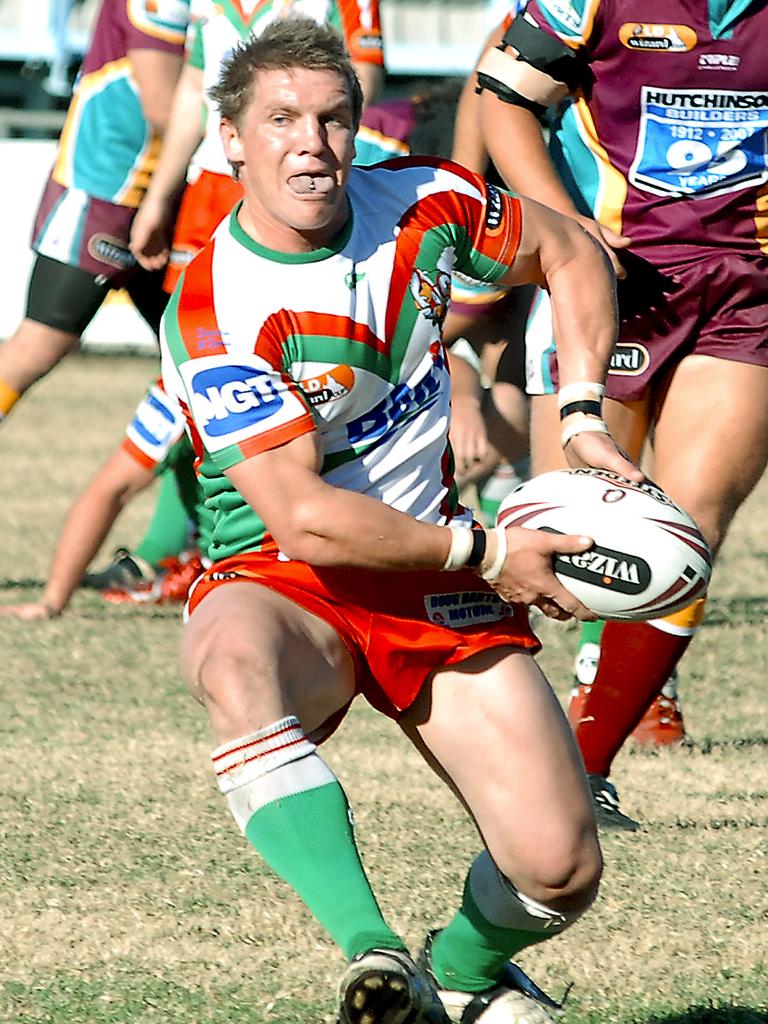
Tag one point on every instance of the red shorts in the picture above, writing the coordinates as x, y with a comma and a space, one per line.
205, 203
399, 627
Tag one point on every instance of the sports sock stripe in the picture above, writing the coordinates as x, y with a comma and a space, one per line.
258, 753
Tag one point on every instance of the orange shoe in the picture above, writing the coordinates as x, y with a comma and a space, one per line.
178, 576
662, 724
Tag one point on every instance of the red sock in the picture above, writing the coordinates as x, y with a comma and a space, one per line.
636, 659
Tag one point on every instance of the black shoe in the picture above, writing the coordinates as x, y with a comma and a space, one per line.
384, 986
605, 802
515, 998
124, 571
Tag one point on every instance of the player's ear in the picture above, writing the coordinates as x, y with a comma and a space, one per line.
230, 139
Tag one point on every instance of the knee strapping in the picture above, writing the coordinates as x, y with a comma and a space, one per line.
268, 765
504, 906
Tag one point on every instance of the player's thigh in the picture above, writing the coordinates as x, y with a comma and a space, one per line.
711, 438
252, 656
62, 296
627, 421
499, 736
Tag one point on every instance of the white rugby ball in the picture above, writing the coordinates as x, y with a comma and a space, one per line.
649, 558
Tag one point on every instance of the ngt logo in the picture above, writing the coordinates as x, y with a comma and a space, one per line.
227, 399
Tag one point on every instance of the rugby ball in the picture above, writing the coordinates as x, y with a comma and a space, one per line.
649, 558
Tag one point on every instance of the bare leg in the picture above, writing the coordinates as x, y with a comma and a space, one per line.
251, 656
497, 733
711, 439
31, 352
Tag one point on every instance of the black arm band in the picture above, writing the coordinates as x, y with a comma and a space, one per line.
541, 51
477, 554
590, 408
507, 95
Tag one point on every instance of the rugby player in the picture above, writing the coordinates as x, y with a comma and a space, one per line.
661, 157
106, 153
304, 344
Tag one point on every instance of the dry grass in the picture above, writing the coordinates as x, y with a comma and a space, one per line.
126, 895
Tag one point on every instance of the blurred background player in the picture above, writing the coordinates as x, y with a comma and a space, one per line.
106, 154
192, 152
661, 157
155, 440
192, 148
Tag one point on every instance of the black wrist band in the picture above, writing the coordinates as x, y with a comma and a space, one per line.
588, 407
477, 554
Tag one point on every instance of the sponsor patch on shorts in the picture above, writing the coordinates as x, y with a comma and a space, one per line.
110, 250
629, 359
466, 608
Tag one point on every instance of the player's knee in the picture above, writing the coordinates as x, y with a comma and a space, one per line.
223, 666
527, 907
563, 875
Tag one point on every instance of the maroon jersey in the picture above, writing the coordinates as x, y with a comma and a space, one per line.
107, 150
669, 145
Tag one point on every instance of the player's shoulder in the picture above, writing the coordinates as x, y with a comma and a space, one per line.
163, 20
571, 20
422, 175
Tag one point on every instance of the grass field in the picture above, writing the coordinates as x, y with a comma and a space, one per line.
128, 897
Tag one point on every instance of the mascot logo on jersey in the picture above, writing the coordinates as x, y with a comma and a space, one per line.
431, 297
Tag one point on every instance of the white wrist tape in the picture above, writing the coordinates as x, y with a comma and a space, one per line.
460, 549
580, 391
494, 569
583, 425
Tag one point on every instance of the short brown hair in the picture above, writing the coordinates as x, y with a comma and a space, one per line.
291, 42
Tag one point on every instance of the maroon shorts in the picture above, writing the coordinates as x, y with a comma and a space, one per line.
74, 228
714, 305
398, 627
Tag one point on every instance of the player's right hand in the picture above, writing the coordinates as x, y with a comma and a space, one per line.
30, 611
527, 576
609, 240
149, 241
600, 451
469, 438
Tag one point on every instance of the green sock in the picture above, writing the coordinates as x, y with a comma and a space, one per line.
470, 953
168, 531
308, 840
591, 632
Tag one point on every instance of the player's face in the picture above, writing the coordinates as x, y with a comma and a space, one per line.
296, 142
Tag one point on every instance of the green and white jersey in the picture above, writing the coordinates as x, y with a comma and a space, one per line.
260, 346
216, 28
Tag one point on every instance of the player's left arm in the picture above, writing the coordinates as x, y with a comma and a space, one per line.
371, 78
156, 73
359, 22
555, 252
469, 147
